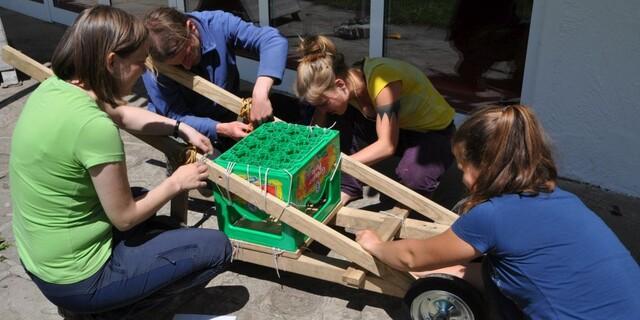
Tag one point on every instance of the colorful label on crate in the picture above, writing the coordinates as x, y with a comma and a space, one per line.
274, 187
315, 172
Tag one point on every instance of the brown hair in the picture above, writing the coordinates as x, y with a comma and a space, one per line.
82, 52
510, 151
168, 30
318, 67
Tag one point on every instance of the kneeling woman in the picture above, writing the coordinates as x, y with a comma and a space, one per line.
395, 111
85, 240
546, 255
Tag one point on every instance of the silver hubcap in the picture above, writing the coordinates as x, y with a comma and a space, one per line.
440, 305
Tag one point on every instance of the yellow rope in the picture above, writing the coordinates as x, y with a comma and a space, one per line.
187, 156
245, 110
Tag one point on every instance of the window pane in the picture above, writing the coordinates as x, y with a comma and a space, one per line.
473, 51
138, 8
345, 22
74, 5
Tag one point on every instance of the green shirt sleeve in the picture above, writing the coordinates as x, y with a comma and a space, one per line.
99, 142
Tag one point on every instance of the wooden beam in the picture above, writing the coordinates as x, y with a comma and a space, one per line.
360, 171
410, 229
275, 207
239, 244
388, 230
25, 64
292, 216
397, 191
354, 277
328, 269
40, 73
198, 84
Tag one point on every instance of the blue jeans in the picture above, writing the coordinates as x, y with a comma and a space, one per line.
149, 259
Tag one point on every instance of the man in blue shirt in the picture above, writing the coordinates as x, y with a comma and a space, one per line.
204, 43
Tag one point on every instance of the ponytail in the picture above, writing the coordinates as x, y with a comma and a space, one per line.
509, 149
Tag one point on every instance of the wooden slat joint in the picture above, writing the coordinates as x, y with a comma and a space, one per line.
354, 278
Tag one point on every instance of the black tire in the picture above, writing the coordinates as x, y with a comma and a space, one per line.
443, 297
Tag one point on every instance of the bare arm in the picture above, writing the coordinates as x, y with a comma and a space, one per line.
142, 121
387, 127
443, 250
124, 212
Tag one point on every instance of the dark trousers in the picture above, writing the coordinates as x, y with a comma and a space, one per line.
149, 259
424, 156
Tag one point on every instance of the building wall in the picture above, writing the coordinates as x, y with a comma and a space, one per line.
583, 80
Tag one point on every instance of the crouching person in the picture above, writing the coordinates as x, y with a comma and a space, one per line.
87, 241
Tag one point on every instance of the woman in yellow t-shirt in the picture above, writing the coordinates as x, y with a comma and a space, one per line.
395, 110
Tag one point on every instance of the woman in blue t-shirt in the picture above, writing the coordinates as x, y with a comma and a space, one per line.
549, 256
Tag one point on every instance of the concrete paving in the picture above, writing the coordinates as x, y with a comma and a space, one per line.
246, 291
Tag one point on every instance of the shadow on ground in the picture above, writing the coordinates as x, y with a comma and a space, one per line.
357, 299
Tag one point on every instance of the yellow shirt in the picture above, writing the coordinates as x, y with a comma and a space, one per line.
422, 107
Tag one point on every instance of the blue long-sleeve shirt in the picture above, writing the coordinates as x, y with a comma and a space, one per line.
220, 34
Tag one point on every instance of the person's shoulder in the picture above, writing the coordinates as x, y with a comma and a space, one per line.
377, 62
486, 207
57, 91
210, 17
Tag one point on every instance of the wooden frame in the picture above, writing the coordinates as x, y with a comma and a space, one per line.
362, 270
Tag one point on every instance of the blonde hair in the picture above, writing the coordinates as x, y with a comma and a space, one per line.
318, 67
509, 149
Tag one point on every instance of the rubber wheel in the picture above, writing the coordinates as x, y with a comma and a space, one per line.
443, 297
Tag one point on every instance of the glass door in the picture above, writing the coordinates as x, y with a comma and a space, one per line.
65, 11
34, 8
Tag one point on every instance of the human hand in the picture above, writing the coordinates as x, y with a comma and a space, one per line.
261, 109
235, 130
192, 136
368, 240
191, 176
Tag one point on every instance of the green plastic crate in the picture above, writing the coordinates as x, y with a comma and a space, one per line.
299, 164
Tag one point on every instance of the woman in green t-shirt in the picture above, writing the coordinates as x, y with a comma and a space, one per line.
87, 241
395, 110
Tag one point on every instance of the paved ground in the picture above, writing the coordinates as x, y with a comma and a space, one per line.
246, 291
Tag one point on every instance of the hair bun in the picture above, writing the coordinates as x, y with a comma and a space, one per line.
313, 48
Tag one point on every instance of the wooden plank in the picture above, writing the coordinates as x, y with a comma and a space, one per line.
411, 228
292, 216
25, 64
360, 171
330, 238
353, 277
364, 173
326, 268
40, 73
198, 84
388, 230
397, 191
327, 221
239, 244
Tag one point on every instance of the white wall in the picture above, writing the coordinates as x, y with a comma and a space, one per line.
583, 80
